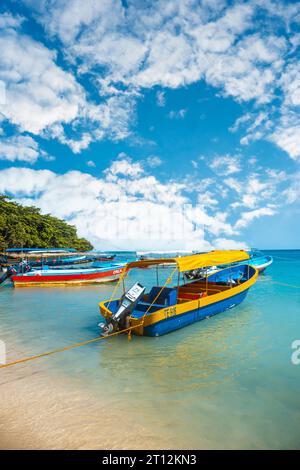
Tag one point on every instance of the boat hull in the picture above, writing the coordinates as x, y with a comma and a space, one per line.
180, 321
74, 279
261, 267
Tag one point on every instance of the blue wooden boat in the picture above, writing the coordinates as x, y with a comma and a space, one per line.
38, 257
164, 309
257, 259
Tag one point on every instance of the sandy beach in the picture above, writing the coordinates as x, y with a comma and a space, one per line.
38, 412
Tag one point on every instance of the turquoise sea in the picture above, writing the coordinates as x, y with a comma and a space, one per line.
226, 382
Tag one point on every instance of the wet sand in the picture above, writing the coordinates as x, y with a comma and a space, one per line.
41, 412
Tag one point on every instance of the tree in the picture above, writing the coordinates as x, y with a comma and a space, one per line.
25, 227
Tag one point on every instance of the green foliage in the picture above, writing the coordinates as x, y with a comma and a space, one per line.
26, 227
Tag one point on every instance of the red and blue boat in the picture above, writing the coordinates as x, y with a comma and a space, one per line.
54, 277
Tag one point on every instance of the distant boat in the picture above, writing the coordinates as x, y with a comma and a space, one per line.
72, 260
50, 257
69, 261
45, 276
164, 309
39, 256
258, 260
40, 250
104, 257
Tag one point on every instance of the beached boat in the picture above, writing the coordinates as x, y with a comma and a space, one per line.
45, 276
165, 309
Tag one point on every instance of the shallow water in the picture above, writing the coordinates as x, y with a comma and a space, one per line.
225, 382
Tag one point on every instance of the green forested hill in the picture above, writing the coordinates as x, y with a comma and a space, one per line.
26, 227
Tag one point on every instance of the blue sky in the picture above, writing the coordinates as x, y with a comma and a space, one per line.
154, 125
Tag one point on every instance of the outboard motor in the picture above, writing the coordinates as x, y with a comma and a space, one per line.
126, 307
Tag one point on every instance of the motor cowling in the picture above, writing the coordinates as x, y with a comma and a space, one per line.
126, 306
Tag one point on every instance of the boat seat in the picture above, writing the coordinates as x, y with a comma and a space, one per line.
143, 306
189, 295
166, 298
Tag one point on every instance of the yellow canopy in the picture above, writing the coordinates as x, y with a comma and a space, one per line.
203, 260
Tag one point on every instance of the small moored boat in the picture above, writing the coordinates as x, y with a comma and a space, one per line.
258, 260
164, 309
45, 276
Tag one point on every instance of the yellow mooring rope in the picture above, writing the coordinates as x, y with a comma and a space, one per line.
123, 274
66, 348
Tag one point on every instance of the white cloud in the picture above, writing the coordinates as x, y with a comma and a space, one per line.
77, 145
160, 98
287, 137
38, 92
42, 98
292, 193
207, 199
247, 217
240, 121
168, 43
257, 189
153, 161
24, 181
124, 167
228, 244
67, 19
225, 165
180, 114
290, 82
9, 21
22, 148
278, 124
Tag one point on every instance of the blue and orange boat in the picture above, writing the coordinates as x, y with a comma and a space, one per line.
164, 308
